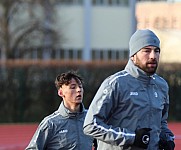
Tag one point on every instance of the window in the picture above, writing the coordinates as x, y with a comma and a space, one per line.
71, 2
110, 2
110, 54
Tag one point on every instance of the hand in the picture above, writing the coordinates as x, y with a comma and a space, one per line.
142, 137
166, 145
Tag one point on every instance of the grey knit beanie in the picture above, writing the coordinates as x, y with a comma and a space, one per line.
142, 38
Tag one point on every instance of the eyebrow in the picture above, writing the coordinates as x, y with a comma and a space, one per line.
147, 47
75, 84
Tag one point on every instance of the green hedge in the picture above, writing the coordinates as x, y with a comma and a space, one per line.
28, 92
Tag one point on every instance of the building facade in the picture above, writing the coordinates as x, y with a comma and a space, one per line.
165, 19
97, 29
91, 29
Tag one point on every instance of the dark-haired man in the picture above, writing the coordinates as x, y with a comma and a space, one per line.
63, 130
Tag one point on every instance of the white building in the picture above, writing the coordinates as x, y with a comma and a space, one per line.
91, 30
97, 29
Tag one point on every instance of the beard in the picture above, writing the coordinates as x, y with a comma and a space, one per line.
149, 67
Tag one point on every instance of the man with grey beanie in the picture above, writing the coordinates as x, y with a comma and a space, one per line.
130, 109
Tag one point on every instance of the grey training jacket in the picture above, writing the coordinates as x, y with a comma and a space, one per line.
125, 101
62, 130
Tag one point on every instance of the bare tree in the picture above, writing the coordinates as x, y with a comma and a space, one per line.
25, 24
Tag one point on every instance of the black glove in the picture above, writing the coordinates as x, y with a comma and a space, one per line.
142, 137
166, 145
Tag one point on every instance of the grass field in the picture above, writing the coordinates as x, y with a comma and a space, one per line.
17, 136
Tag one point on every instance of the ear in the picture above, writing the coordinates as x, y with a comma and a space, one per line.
60, 92
133, 58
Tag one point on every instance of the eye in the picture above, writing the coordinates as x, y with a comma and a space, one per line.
157, 50
72, 87
146, 50
80, 86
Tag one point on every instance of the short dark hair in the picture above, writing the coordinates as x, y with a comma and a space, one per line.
65, 78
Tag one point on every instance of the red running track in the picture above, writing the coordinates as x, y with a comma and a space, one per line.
17, 136
176, 129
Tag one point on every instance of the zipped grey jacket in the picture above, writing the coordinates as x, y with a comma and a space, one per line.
62, 130
126, 101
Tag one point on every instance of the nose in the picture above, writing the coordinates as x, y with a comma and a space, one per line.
153, 54
79, 89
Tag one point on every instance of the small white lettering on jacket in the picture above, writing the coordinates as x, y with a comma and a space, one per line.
63, 131
133, 93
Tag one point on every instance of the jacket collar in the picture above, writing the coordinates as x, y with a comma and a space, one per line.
137, 72
67, 113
